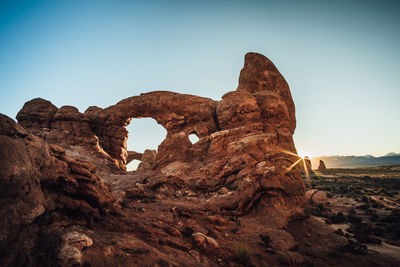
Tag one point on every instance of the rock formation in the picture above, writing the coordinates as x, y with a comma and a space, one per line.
243, 137
187, 204
41, 184
307, 164
321, 166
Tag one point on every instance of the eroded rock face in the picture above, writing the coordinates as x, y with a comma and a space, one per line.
37, 113
243, 166
148, 160
38, 180
308, 162
66, 127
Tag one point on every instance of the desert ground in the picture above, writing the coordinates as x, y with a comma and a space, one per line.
362, 205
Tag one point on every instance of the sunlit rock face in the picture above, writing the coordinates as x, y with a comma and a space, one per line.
242, 164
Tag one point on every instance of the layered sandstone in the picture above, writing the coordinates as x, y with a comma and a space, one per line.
40, 181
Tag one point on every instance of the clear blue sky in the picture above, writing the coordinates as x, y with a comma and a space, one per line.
340, 58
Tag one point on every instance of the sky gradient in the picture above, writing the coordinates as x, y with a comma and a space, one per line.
341, 60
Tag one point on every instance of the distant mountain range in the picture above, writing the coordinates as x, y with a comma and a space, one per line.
356, 161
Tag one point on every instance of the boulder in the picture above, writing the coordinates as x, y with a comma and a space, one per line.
316, 196
72, 244
204, 242
36, 113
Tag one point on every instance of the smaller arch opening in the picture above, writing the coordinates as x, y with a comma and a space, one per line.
193, 138
133, 165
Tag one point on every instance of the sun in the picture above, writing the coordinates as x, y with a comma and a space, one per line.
302, 154
303, 162
305, 153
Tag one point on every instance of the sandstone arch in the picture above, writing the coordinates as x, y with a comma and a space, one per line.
245, 140
179, 114
263, 97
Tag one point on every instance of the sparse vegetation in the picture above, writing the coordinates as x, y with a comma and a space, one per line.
338, 218
242, 256
187, 231
376, 217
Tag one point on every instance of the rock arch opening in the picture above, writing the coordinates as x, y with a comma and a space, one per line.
143, 134
133, 165
193, 138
